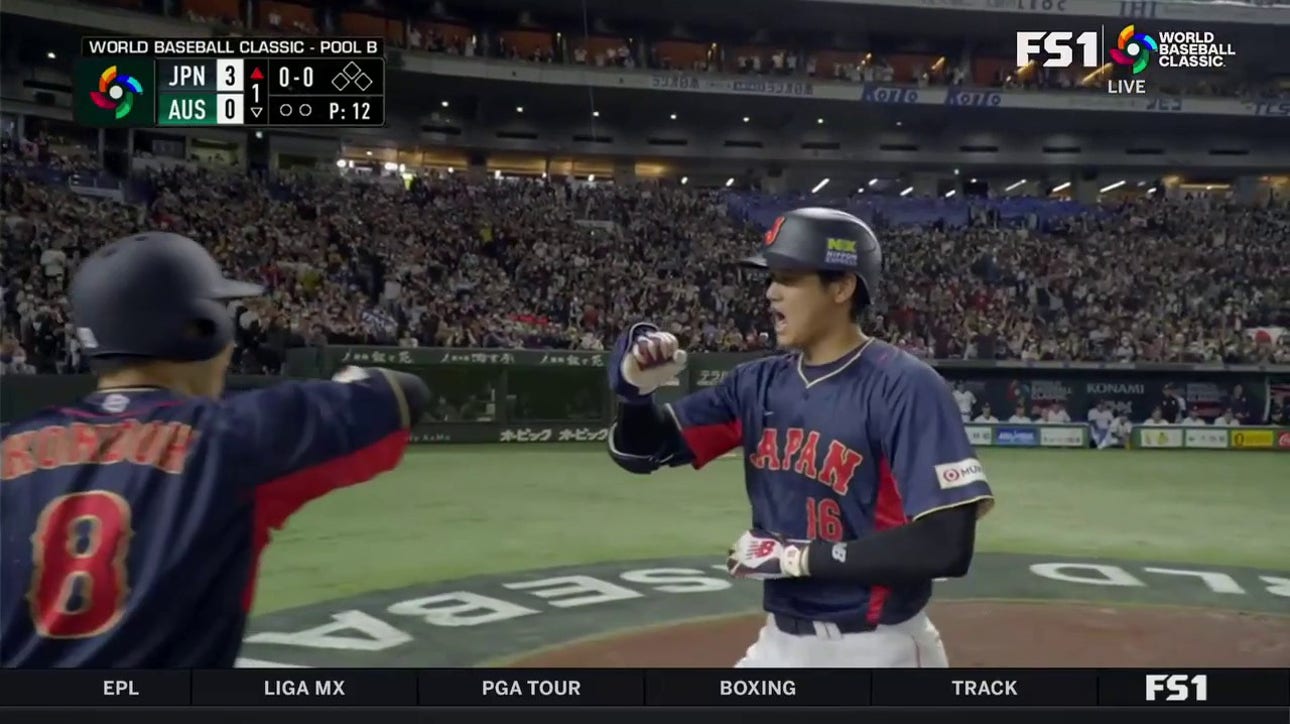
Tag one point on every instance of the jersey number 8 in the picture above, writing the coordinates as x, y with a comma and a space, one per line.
79, 584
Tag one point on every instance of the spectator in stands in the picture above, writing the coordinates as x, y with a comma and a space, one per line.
1100, 418
1019, 415
1117, 433
1173, 407
1240, 406
1227, 419
1056, 414
986, 415
1193, 419
965, 399
1157, 417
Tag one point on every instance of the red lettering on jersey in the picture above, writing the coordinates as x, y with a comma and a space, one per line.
118, 440
767, 455
839, 467
17, 459
50, 447
158, 444
806, 463
176, 453
792, 445
85, 444
148, 444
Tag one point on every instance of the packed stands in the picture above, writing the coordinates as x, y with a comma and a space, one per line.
538, 263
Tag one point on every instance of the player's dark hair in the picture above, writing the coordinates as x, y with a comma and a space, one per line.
859, 298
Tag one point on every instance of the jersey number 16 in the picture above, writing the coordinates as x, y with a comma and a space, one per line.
824, 519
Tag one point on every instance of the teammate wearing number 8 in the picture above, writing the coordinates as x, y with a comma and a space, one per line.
862, 482
132, 520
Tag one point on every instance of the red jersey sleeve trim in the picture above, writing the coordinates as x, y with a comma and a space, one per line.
277, 500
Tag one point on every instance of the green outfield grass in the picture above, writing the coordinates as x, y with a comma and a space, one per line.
458, 511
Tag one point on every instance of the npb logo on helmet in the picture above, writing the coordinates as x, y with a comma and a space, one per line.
958, 474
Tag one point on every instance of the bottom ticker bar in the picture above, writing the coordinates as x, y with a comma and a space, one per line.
668, 715
717, 688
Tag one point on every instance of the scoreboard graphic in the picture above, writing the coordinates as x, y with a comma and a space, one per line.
254, 82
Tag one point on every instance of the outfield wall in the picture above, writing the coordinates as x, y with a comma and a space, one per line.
497, 395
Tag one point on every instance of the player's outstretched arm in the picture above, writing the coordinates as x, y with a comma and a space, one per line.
299, 440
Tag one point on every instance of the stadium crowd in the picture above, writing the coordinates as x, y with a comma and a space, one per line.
451, 262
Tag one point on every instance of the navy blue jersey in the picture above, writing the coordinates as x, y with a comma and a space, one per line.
133, 520
837, 452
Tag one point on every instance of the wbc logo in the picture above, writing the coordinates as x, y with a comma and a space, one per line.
116, 92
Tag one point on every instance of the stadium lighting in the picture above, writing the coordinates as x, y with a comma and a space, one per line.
1151, 190
860, 190
544, 174
819, 121
390, 166
956, 172
1061, 187
259, 134
730, 182
595, 114
685, 180
340, 163
745, 119
452, 170
497, 175
591, 178
971, 180
908, 190
950, 193
1141, 184
519, 109
873, 181
673, 116
1112, 187
51, 55
820, 185
1013, 186
443, 103
899, 124
369, 153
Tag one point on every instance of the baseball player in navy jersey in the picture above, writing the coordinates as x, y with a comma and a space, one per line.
133, 520
863, 485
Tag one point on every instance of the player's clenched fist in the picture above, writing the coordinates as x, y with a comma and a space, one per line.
762, 557
644, 359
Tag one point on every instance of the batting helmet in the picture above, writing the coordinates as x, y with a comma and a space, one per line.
154, 295
818, 239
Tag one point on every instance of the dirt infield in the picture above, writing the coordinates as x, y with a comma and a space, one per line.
985, 634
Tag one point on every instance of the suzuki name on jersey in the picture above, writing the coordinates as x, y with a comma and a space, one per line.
162, 445
300, 687
836, 469
963, 472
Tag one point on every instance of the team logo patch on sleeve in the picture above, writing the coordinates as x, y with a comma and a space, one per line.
954, 475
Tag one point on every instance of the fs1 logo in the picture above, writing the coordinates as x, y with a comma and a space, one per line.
1178, 687
1059, 46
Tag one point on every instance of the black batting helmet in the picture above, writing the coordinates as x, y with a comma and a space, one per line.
154, 295
819, 239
